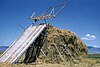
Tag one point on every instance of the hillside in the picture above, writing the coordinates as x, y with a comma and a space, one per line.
3, 48
93, 50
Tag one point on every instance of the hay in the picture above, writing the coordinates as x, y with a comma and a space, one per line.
63, 39
67, 43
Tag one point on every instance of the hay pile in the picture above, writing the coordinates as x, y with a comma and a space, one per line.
58, 46
62, 39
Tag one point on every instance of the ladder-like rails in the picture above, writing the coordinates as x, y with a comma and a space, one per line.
21, 44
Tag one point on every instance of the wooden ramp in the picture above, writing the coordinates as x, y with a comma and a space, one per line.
20, 45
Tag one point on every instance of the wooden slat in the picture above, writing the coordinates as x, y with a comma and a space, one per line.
21, 44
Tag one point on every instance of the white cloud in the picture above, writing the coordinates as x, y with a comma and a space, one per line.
88, 37
95, 46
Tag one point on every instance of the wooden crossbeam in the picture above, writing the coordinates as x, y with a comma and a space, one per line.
49, 13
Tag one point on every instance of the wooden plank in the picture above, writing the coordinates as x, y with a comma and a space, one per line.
21, 44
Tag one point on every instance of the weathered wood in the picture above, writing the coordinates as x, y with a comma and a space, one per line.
34, 50
22, 44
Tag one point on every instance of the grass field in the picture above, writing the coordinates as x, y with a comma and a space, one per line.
93, 60
95, 56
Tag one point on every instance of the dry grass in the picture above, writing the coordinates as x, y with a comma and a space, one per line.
84, 63
88, 62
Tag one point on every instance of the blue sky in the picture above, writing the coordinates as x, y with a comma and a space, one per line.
79, 16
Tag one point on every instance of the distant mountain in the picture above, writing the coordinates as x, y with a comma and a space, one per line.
93, 50
3, 48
